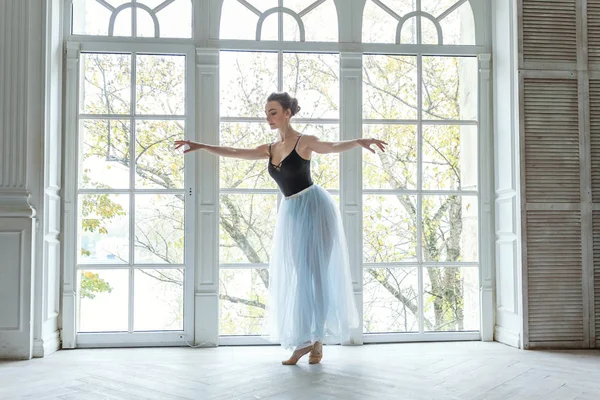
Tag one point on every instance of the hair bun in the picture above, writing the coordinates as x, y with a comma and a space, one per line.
294, 107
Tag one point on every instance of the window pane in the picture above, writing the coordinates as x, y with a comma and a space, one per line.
107, 84
390, 300
380, 27
145, 24
450, 228
122, 25
389, 228
451, 298
325, 168
389, 87
104, 154
429, 33
314, 80
320, 24
103, 235
90, 18
175, 20
243, 296
449, 157
160, 85
396, 168
157, 165
450, 88
158, 301
459, 26
159, 228
246, 174
238, 22
247, 224
246, 80
103, 298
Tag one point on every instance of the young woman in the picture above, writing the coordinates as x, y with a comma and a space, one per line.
310, 287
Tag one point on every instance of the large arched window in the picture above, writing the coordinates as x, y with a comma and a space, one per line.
420, 202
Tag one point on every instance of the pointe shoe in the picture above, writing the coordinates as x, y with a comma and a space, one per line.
297, 355
316, 354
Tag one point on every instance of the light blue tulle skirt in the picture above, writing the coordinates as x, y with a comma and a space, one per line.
310, 286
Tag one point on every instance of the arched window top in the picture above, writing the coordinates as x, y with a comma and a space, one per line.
282, 20
134, 18
425, 22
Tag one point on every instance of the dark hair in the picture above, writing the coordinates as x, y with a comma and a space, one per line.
287, 102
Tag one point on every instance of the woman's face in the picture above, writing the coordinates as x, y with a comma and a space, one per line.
277, 117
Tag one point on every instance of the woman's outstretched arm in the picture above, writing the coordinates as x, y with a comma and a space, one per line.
257, 153
313, 143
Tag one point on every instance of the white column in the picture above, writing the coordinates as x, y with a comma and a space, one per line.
351, 173
21, 132
508, 328
69, 256
486, 190
206, 306
48, 260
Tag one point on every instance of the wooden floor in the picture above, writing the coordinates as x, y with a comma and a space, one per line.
468, 370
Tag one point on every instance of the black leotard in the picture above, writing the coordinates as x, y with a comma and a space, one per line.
292, 174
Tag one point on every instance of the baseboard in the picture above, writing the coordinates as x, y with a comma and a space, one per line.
507, 337
46, 346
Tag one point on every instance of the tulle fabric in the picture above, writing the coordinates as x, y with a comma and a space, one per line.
310, 287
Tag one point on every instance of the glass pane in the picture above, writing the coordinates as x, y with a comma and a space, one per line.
90, 18
396, 168
450, 228
246, 174
171, 22
246, 80
314, 80
379, 26
408, 35
389, 87
325, 168
157, 165
122, 25
429, 33
160, 85
390, 300
145, 24
159, 228
158, 300
459, 26
103, 234
238, 22
450, 88
437, 7
247, 224
451, 299
389, 228
104, 154
320, 24
243, 297
270, 28
103, 297
291, 29
107, 84
449, 157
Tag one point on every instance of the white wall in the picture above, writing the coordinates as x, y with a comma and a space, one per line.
23, 100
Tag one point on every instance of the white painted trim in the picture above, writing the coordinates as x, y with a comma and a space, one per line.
503, 335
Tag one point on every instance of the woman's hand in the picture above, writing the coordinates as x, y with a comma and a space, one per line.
367, 143
193, 146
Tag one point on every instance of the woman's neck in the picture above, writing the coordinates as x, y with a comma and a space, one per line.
286, 133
